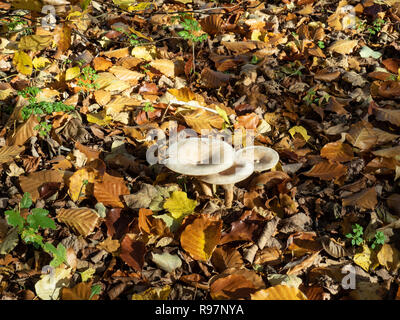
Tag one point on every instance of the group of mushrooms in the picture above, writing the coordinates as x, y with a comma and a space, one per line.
215, 162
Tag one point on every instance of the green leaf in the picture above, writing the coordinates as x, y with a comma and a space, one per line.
223, 114
26, 201
15, 219
30, 236
39, 218
96, 289
59, 256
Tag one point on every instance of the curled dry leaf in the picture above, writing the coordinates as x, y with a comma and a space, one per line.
279, 292
366, 199
81, 220
23, 133
201, 237
225, 257
81, 291
234, 286
9, 153
212, 24
132, 252
392, 116
35, 180
326, 170
214, 79
337, 151
343, 46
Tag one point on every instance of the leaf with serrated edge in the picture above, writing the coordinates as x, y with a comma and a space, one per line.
82, 220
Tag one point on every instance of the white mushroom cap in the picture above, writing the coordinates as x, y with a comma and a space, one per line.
199, 156
238, 172
264, 158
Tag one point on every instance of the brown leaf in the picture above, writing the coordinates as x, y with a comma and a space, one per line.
101, 64
215, 79
81, 220
117, 222
125, 74
212, 24
132, 252
225, 257
144, 222
23, 133
110, 191
301, 243
165, 66
326, 75
337, 151
389, 89
35, 180
242, 229
201, 236
343, 46
233, 286
201, 119
249, 121
81, 291
62, 37
366, 199
392, 116
268, 178
304, 264
109, 245
270, 256
392, 64
326, 170
388, 152
9, 153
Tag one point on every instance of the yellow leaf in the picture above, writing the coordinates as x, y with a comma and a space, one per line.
201, 236
301, 130
35, 42
223, 114
389, 257
179, 205
23, 63
72, 73
78, 189
255, 35
87, 274
279, 292
366, 259
99, 118
145, 53
73, 14
153, 294
40, 63
140, 6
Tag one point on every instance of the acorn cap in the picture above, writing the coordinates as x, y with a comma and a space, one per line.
239, 171
199, 156
264, 158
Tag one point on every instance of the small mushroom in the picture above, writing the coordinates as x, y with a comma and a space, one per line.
240, 170
200, 157
264, 158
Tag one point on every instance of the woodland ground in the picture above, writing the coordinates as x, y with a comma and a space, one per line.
83, 215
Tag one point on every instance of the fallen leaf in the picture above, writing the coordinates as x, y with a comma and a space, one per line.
81, 220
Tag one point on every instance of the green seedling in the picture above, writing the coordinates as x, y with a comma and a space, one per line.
254, 59
357, 235
379, 239
28, 228
148, 107
191, 27
133, 39
293, 69
321, 44
376, 26
96, 289
16, 24
87, 78
40, 108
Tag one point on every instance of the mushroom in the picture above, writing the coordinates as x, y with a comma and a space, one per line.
264, 158
200, 157
240, 170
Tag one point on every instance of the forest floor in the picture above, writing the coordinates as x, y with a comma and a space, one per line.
85, 84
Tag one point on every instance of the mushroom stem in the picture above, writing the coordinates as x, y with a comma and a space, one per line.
206, 188
228, 195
